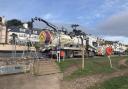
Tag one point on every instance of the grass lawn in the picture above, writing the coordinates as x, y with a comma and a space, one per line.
67, 63
92, 66
114, 83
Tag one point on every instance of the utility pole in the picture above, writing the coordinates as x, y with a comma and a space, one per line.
59, 47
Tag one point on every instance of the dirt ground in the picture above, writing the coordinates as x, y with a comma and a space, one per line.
27, 81
91, 80
54, 81
49, 78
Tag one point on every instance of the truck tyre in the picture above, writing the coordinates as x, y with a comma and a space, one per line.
71, 55
91, 54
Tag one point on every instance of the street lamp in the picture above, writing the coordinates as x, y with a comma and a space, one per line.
58, 47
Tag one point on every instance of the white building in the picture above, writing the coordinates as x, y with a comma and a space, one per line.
23, 35
2, 30
119, 47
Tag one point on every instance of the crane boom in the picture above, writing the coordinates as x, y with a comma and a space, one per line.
47, 23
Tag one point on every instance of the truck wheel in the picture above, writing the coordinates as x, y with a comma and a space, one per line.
91, 54
71, 55
68, 54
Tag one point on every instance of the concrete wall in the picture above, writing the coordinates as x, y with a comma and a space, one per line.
7, 47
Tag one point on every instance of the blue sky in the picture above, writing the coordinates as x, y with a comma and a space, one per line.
104, 18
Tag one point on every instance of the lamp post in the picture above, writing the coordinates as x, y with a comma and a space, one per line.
59, 47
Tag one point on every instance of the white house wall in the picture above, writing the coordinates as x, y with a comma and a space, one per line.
24, 37
2, 34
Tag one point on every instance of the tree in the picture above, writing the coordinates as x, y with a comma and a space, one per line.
14, 22
37, 46
82, 35
14, 36
79, 32
74, 26
71, 34
29, 24
76, 31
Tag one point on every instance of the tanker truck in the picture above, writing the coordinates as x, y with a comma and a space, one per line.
55, 41
58, 41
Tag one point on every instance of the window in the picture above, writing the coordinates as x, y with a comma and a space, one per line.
35, 32
21, 35
35, 36
25, 35
22, 30
94, 44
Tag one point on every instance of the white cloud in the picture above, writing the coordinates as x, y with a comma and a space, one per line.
115, 25
53, 18
106, 7
48, 16
98, 15
80, 17
122, 39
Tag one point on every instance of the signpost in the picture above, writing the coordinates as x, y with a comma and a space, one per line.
109, 53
